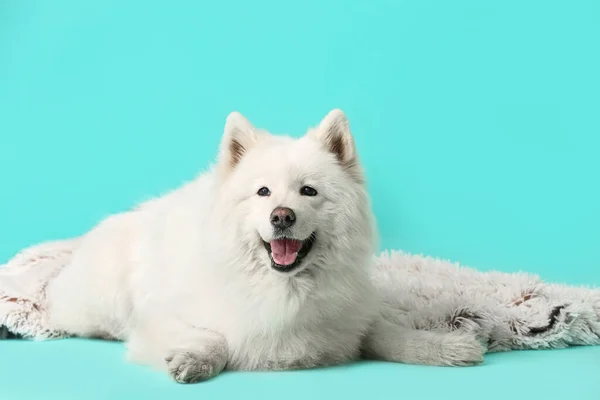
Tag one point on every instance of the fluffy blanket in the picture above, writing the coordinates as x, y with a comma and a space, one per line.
506, 311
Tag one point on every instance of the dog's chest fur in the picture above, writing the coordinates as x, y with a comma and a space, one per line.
295, 324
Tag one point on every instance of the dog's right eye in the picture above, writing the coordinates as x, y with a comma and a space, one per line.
263, 191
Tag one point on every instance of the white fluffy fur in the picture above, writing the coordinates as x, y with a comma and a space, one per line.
186, 281
192, 264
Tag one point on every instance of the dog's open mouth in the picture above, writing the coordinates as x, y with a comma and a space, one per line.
287, 254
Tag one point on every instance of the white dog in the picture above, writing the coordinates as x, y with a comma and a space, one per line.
262, 263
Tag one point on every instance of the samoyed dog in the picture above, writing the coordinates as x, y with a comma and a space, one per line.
261, 263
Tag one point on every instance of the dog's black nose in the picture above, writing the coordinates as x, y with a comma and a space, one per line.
282, 218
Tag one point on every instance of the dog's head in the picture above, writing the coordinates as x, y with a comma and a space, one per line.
294, 203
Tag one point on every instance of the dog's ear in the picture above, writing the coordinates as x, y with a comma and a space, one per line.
334, 133
238, 137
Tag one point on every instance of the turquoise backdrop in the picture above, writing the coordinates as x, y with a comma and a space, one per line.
478, 122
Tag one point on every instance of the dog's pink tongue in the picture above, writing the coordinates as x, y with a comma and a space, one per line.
285, 251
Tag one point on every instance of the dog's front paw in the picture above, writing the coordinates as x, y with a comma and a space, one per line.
188, 367
461, 349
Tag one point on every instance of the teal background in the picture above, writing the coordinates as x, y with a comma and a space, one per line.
478, 123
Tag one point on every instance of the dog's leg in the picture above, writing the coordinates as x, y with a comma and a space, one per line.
391, 342
188, 354
205, 360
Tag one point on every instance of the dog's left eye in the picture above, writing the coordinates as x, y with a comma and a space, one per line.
308, 191
263, 192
